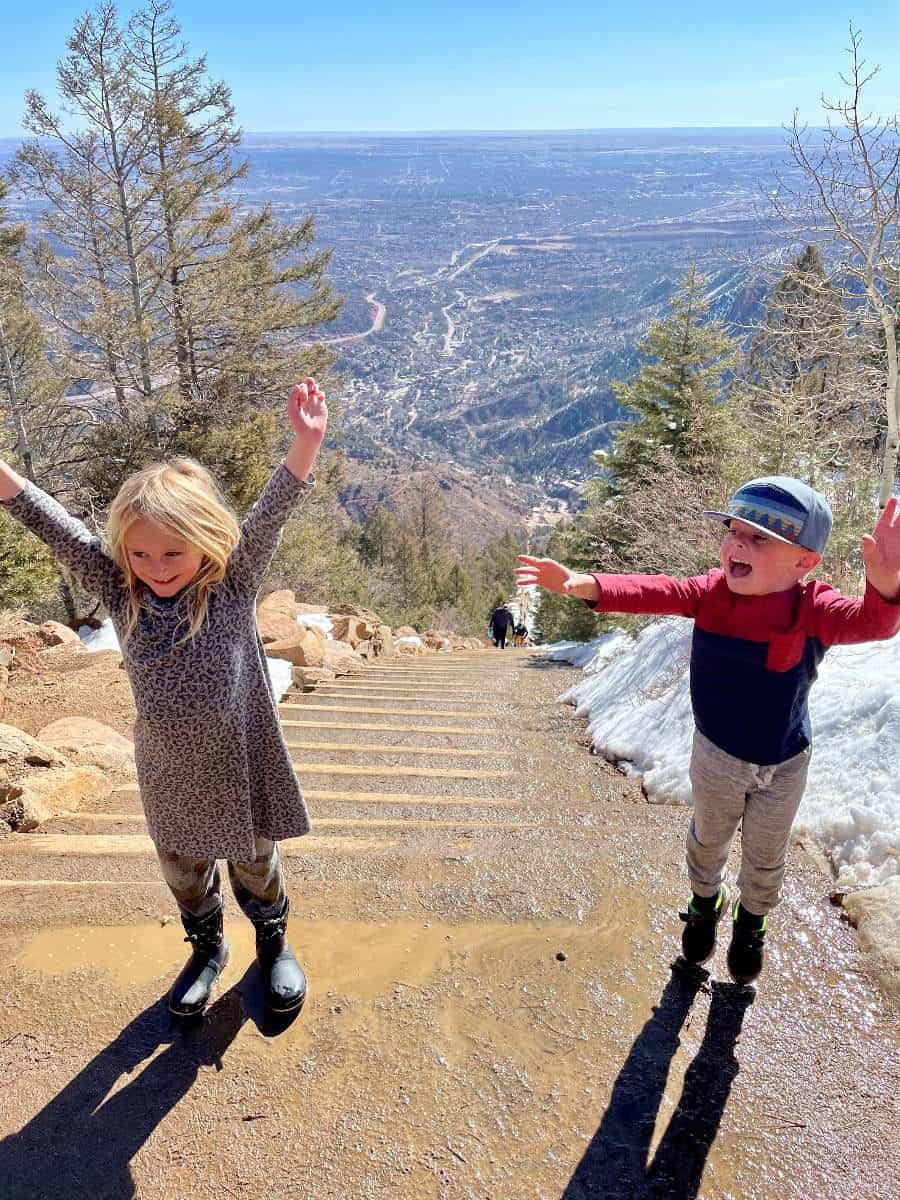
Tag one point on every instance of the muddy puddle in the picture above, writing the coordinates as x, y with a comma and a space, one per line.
472, 980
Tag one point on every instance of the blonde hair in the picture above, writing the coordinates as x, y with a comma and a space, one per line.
184, 499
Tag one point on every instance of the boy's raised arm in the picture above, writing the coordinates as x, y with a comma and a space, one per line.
650, 595
549, 574
875, 616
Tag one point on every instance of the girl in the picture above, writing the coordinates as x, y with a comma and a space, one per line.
180, 581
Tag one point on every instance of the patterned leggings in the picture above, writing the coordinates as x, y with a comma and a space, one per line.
196, 883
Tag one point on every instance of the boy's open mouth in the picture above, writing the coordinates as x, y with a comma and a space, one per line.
739, 569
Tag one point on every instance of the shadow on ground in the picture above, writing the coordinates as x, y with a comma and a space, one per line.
615, 1165
82, 1142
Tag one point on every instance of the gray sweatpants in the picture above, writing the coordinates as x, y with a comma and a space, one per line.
196, 883
727, 791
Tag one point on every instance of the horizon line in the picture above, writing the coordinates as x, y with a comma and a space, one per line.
12, 137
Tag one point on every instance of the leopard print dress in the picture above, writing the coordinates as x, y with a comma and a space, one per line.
213, 767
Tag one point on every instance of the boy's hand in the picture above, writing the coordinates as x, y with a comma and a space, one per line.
308, 414
307, 411
549, 574
881, 552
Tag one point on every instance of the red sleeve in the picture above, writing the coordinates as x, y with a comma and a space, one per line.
837, 618
658, 595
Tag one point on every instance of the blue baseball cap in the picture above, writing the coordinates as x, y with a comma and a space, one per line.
784, 508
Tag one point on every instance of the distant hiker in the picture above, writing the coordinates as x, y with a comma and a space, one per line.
520, 635
502, 621
180, 580
760, 633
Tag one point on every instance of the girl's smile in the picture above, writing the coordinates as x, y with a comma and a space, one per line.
163, 562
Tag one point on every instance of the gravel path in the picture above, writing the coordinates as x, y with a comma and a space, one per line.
488, 916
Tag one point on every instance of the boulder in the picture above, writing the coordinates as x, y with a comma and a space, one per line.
276, 616
351, 629
433, 640
405, 631
357, 610
90, 743
47, 792
307, 677
37, 783
318, 609
55, 634
342, 659
412, 647
383, 641
20, 753
304, 647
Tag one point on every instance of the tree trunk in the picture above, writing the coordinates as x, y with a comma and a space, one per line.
892, 404
23, 442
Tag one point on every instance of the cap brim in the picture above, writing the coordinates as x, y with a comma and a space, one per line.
725, 517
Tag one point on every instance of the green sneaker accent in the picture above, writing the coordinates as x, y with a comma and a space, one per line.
699, 912
763, 921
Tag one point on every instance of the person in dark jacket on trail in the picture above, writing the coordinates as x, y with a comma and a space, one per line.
502, 621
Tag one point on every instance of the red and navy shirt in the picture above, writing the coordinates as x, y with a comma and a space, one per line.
754, 658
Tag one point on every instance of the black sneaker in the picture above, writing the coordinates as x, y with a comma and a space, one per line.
745, 954
698, 938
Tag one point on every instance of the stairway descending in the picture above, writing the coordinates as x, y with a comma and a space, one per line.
407, 757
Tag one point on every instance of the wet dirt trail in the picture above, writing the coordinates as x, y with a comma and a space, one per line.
487, 916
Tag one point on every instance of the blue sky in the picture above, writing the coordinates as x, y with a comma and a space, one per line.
559, 64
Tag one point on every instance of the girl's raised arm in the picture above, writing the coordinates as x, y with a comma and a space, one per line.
261, 531
71, 541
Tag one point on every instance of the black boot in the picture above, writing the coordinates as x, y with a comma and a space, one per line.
698, 938
209, 954
745, 954
283, 981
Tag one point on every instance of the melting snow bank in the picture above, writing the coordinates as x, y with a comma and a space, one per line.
105, 638
635, 697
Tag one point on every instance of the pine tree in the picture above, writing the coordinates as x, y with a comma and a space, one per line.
676, 392
183, 311
675, 456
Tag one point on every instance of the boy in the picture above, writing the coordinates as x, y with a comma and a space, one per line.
760, 633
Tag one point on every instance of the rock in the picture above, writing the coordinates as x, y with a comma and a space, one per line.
383, 641
416, 647
357, 610
19, 753
304, 648
91, 743
406, 631
875, 912
342, 659
320, 609
351, 629
432, 639
308, 677
276, 616
55, 634
366, 649
47, 793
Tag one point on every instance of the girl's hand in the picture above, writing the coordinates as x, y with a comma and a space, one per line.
881, 552
549, 574
308, 414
